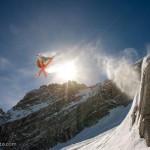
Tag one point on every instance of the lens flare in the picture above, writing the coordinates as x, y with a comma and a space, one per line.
64, 71
67, 71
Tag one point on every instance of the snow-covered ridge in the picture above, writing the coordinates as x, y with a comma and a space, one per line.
18, 114
15, 114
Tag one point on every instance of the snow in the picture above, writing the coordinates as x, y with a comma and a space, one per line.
112, 120
87, 93
123, 137
18, 114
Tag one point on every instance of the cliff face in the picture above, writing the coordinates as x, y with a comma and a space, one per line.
56, 113
144, 101
141, 111
2, 113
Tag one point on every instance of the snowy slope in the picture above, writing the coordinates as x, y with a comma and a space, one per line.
124, 137
112, 120
18, 114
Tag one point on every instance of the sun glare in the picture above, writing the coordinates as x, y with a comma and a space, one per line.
67, 71
64, 71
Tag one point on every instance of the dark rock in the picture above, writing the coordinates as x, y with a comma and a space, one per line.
1, 112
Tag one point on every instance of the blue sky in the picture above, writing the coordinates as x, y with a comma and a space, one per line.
68, 27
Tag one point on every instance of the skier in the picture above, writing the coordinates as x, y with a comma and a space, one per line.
42, 63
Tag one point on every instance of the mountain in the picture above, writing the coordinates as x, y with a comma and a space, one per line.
2, 113
134, 132
56, 113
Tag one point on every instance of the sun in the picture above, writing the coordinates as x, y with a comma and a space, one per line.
64, 71
67, 71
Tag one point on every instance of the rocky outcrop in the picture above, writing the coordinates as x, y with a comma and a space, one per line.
56, 113
2, 113
141, 110
144, 107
